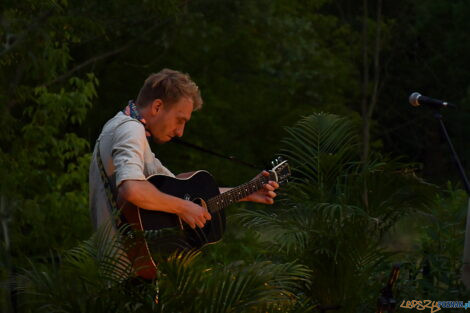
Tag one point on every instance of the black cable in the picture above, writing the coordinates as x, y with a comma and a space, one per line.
231, 158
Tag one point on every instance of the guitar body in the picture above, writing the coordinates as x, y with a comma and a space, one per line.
198, 187
172, 233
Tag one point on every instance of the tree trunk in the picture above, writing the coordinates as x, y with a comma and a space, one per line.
365, 84
7, 304
369, 99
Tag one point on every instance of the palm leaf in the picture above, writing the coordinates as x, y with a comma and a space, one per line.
336, 210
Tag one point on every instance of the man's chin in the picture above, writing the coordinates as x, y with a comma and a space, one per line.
161, 141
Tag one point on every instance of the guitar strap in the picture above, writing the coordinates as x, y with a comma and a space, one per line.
119, 219
108, 189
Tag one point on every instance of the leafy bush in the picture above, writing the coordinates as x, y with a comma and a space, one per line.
433, 269
93, 278
336, 210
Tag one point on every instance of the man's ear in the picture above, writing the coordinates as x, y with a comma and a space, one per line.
156, 106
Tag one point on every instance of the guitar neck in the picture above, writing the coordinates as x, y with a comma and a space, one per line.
223, 200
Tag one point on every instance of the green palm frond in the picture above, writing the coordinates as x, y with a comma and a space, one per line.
93, 278
102, 256
292, 229
179, 279
318, 147
37, 282
240, 287
287, 230
85, 280
187, 284
322, 150
335, 211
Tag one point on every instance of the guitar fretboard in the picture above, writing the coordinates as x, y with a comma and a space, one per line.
233, 195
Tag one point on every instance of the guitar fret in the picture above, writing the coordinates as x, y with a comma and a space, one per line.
222, 200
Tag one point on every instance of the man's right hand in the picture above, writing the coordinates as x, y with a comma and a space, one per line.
146, 196
193, 214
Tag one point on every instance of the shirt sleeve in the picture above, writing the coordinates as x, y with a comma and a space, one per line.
166, 171
128, 151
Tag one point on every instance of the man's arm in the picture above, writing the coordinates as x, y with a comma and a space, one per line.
129, 143
146, 196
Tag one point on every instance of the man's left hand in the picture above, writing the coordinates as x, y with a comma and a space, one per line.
265, 195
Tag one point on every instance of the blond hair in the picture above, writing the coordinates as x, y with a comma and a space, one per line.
169, 86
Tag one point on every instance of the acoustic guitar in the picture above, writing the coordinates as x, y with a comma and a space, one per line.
199, 187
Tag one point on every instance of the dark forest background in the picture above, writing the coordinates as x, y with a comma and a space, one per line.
66, 67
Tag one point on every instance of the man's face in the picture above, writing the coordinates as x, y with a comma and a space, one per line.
169, 119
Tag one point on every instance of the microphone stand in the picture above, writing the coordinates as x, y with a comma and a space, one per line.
464, 178
466, 184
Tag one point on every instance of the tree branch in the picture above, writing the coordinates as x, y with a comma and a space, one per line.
104, 55
87, 62
20, 38
375, 91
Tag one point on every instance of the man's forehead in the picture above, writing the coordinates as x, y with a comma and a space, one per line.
184, 108
181, 108
183, 114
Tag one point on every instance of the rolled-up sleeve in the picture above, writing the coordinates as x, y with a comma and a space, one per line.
129, 142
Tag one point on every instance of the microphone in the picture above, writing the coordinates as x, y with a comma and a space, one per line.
416, 99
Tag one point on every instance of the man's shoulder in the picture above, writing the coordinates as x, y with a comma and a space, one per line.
122, 120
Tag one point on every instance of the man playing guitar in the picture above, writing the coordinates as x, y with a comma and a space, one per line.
123, 160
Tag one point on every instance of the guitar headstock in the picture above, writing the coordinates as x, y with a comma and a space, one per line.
280, 171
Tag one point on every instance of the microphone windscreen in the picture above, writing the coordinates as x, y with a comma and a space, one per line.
414, 99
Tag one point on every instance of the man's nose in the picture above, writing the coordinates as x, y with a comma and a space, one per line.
180, 131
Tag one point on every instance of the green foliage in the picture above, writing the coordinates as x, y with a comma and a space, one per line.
47, 176
260, 65
44, 169
433, 270
93, 278
427, 40
336, 210
44, 161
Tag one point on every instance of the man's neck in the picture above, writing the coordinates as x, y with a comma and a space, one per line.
143, 112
